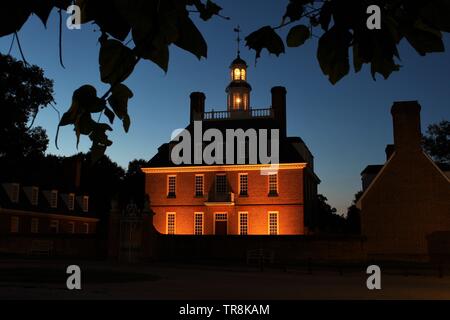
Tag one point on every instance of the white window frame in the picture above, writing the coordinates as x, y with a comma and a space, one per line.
174, 214
85, 204
15, 192
71, 201
168, 186
54, 199
53, 224
242, 213
270, 183
240, 184
196, 214
34, 225
72, 227
34, 196
15, 224
198, 192
269, 220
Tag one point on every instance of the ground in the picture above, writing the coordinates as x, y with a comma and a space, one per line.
32, 279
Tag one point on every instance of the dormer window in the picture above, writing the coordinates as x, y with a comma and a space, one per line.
15, 189
54, 199
71, 202
85, 204
34, 196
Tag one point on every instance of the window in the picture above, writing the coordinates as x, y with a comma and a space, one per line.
221, 183
273, 184
34, 225
171, 223
34, 196
199, 185
14, 224
198, 224
85, 204
71, 202
54, 199
15, 188
86, 228
273, 223
171, 186
243, 223
221, 216
71, 227
243, 184
54, 226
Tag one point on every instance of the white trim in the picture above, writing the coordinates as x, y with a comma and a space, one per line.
225, 168
174, 223
203, 184
167, 184
277, 213
239, 183
239, 222
203, 223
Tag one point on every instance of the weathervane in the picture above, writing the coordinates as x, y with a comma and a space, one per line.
238, 31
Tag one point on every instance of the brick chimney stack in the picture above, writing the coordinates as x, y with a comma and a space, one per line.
197, 106
407, 132
279, 107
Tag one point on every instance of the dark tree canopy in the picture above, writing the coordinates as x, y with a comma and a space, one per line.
23, 91
437, 141
145, 29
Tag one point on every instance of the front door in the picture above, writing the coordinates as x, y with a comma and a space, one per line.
221, 224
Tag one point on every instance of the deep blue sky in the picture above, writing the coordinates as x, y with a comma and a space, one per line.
346, 126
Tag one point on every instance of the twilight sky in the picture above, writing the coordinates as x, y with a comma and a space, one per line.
346, 126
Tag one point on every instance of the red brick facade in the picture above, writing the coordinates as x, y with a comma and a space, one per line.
288, 204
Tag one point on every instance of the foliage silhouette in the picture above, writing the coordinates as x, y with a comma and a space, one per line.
154, 25
23, 91
436, 141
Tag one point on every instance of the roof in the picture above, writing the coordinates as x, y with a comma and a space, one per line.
43, 205
238, 61
372, 169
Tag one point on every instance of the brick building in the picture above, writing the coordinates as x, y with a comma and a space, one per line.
244, 197
407, 199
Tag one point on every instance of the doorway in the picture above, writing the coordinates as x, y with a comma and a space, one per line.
221, 224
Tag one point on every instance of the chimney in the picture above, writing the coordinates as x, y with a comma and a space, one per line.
407, 132
279, 107
390, 149
197, 106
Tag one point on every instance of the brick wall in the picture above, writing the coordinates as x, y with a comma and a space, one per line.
288, 203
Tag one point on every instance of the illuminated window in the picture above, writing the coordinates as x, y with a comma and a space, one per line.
34, 196
171, 221
171, 186
273, 223
71, 202
243, 184
243, 223
198, 224
221, 183
54, 199
237, 74
71, 227
34, 225
273, 184
199, 185
85, 204
243, 74
54, 226
14, 224
15, 192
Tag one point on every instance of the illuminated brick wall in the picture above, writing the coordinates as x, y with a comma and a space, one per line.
288, 204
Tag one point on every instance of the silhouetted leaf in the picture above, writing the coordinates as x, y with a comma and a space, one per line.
294, 10
190, 39
209, 10
424, 38
87, 100
110, 115
119, 103
13, 15
126, 123
332, 53
43, 8
298, 35
325, 15
265, 38
116, 61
